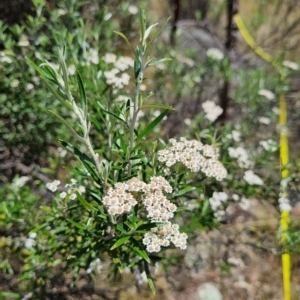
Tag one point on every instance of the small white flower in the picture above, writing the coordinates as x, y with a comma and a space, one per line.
81, 189
132, 9
52, 186
244, 204
235, 197
29, 87
122, 98
23, 42
269, 145
73, 181
266, 93
188, 122
71, 70
284, 204
215, 54
32, 235
252, 178
290, 64
235, 135
109, 58
15, 83
93, 56
73, 196
212, 111
264, 120
4, 58
61, 11
62, 195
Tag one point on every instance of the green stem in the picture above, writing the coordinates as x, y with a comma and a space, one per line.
136, 108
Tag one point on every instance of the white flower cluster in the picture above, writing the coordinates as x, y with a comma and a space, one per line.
269, 145
5, 58
216, 203
244, 203
252, 178
284, 203
162, 236
195, 156
92, 57
96, 265
52, 186
212, 111
290, 64
215, 53
30, 241
267, 94
120, 199
264, 120
71, 187
234, 135
241, 155
115, 76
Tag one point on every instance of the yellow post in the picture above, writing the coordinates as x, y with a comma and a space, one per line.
284, 157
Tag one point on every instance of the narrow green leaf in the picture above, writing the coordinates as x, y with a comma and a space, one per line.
64, 68
58, 96
37, 68
82, 93
74, 133
148, 31
120, 242
79, 226
37, 228
143, 23
96, 123
157, 105
154, 63
152, 125
158, 33
9, 295
184, 191
126, 40
143, 254
114, 115
86, 205
151, 285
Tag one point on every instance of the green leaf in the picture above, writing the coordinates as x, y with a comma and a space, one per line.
158, 33
152, 125
143, 254
86, 205
157, 105
79, 226
143, 23
114, 115
74, 133
151, 285
57, 95
126, 40
64, 68
82, 93
38, 69
151, 64
148, 31
9, 295
184, 191
39, 227
120, 242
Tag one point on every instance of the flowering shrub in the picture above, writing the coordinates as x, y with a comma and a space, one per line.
128, 189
